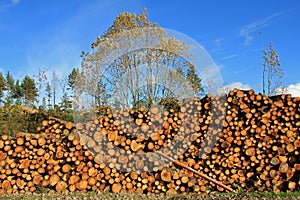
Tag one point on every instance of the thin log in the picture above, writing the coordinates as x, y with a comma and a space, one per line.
197, 172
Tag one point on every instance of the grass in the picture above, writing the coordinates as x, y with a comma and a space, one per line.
111, 196
260, 195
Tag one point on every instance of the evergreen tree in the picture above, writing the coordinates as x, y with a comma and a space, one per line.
194, 80
2, 87
72, 78
66, 103
10, 84
30, 90
18, 92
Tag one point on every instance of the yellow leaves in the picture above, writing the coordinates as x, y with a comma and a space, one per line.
145, 42
128, 21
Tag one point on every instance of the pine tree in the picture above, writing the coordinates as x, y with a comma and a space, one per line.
30, 90
2, 87
72, 78
194, 80
18, 92
10, 84
65, 103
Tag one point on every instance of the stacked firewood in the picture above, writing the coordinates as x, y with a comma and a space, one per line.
243, 140
258, 148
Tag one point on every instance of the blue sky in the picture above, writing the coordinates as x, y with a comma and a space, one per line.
52, 33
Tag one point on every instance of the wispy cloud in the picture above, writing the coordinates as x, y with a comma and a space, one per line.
233, 55
218, 42
61, 51
256, 25
7, 5
15, 1
230, 56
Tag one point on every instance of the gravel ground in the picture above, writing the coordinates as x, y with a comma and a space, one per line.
110, 196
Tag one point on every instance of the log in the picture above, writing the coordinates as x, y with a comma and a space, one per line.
196, 172
250, 140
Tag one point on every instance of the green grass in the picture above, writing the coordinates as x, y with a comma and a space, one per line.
273, 194
268, 195
111, 196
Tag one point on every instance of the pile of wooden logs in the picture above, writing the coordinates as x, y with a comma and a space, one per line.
243, 140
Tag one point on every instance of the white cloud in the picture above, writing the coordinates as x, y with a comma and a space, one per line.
227, 88
294, 89
256, 25
15, 1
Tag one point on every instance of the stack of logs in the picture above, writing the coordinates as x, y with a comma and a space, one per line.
242, 139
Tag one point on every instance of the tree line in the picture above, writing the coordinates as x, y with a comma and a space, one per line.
24, 103
36, 91
123, 83
115, 72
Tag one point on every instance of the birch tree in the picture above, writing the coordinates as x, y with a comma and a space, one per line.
138, 64
272, 72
